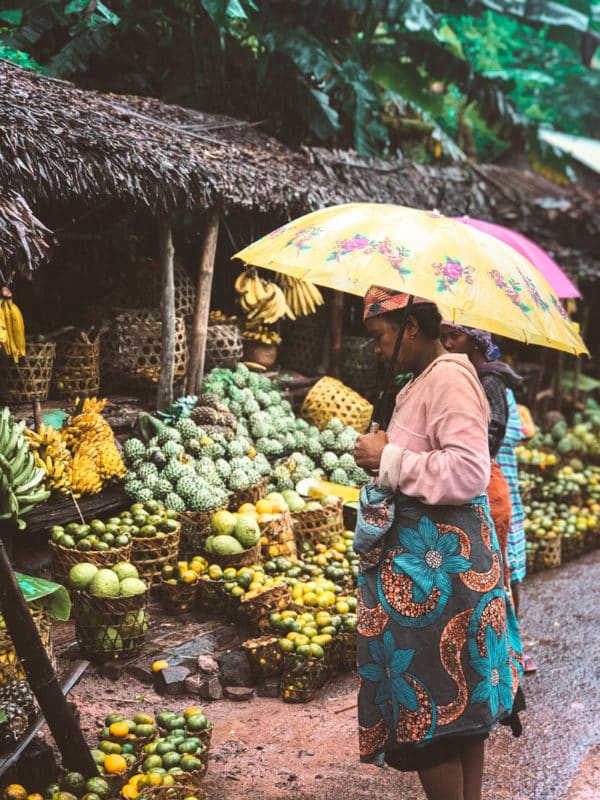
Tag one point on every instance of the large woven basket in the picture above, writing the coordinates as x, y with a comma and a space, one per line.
63, 558
302, 345
178, 598
11, 669
224, 347
30, 378
212, 597
330, 398
344, 651
252, 494
102, 622
249, 556
277, 537
151, 553
319, 526
76, 368
255, 610
260, 353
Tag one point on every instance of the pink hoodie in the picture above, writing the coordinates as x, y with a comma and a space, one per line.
438, 436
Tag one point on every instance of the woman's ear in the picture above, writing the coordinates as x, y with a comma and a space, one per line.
412, 327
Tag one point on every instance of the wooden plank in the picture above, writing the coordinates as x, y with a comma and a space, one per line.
203, 293
42, 679
167, 307
60, 510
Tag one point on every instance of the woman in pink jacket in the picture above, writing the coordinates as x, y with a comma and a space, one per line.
438, 647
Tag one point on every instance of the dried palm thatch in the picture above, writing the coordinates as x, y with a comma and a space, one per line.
24, 240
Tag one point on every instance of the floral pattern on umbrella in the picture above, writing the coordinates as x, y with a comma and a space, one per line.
533, 291
394, 254
301, 238
510, 288
451, 273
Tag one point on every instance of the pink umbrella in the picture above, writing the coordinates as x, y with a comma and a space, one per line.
540, 259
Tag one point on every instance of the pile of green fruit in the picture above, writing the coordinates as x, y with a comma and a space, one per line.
149, 520
182, 745
306, 634
97, 535
121, 580
231, 533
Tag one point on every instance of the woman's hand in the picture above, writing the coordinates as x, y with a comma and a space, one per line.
368, 450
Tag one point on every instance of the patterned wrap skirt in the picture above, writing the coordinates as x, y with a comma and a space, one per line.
438, 650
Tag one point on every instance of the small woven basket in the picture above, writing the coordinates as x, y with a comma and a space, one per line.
178, 598
76, 368
319, 526
212, 597
255, 610
30, 378
302, 345
530, 557
11, 669
571, 546
302, 678
249, 556
195, 527
264, 656
252, 494
330, 398
343, 651
63, 558
224, 347
548, 554
151, 553
109, 627
277, 537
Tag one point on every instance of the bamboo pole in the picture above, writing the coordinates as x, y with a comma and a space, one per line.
336, 328
203, 292
167, 307
44, 684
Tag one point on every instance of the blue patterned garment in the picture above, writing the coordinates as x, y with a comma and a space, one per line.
507, 462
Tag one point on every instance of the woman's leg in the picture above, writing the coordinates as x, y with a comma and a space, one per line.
443, 782
472, 770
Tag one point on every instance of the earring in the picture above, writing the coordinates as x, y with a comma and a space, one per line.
412, 335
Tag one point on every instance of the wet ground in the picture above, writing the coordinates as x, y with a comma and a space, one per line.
264, 748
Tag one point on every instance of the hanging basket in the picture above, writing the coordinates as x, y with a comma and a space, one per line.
109, 627
195, 527
302, 344
11, 669
29, 379
224, 346
63, 558
264, 656
151, 553
76, 368
252, 494
330, 398
277, 537
319, 526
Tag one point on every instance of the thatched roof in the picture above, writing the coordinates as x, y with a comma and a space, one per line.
60, 144
24, 240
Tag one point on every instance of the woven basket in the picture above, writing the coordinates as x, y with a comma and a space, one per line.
303, 677
344, 651
302, 345
264, 656
185, 291
11, 669
320, 526
591, 539
63, 558
213, 598
195, 527
530, 557
330, 398
171, 792
30, 378
76, 369
131, 355
548, 554
277, 537
151, 553
178, 598
255, 610
243, 559
252, 494
260, 353
224, 346
571, 546
99, 621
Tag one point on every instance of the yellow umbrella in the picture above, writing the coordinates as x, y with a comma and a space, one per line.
475, 279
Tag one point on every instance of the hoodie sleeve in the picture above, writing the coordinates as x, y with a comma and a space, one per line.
457, 469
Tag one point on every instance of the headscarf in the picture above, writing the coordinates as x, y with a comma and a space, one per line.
379, 300
490, 351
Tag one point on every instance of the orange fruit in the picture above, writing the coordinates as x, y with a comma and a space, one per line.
119, 729
115, 764
159, 664
188, 576
264, 506
35, 796
15, 791
247, 508
191, 710
129, 791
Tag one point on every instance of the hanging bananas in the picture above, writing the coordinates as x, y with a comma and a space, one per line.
52, 454
12, 327
262, 301
20, 478
302, 297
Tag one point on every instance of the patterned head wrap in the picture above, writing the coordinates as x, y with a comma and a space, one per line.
484, 339
379, 300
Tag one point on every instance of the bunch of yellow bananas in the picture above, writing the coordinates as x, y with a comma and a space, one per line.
12, 327
261, 333
95, 456
51, 452
262, 301
302, 297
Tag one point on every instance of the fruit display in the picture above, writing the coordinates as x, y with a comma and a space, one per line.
184, 572
582, 439
72, 786
232, 533
261, 333
51, 454
122, 580
97, 535
303, 297
262, 301
12, 327
20, 479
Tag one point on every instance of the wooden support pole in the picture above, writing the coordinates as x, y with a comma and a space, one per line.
203, 292
44, 684
336, 330
167, 308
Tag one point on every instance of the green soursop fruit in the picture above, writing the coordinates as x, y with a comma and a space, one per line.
172, 449
346, 441
346, 461
238, 479
168, 434
173, 471
187, 428
186, 488
223, 468
133, 449
261, 464
328, 439
335, 425
132, 487
143, 495
313, 447
262, 398
236, 449
340, 476
270, 447
146, 470
162, 488
174, 502
250, 407
329, 460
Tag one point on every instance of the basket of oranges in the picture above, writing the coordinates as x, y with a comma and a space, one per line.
179, 584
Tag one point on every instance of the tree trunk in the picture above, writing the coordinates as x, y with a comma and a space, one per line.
203, 293
167, 307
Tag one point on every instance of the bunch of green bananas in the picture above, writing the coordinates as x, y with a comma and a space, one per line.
20, 478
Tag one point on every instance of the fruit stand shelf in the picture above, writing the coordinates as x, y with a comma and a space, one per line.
60, 511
